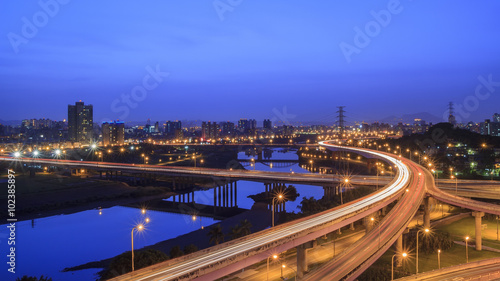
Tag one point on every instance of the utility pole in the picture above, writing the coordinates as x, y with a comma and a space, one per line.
341, 120
451, 116
341, 128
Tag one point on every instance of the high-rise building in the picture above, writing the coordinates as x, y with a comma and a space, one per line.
268, 124
171, 127
496, 118
113, 133
242, 125
80, 122
490, 128
210, 130
227, 128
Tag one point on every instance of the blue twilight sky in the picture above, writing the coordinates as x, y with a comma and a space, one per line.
229, 59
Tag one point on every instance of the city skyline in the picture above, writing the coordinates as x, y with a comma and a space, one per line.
204, 62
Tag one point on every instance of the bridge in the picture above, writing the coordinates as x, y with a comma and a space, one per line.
218, 261
410, 185
362, 254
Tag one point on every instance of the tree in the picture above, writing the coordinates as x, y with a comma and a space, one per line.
191, 248
32, 278
216, 235
246, 227
176, 252
235, 232
122, 264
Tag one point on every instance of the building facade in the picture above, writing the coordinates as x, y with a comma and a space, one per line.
80, 122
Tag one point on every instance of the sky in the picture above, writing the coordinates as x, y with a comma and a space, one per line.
216, 60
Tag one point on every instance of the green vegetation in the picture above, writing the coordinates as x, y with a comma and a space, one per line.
216, 235
123, 263
176, 252
240, 230
191, 248
429, 242
290, 194
466, 227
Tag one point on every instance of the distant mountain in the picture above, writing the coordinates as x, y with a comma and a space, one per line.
10, 122
410, 118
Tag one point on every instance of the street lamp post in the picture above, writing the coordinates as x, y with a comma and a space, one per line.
392, 264
467, 249
283, 267
272, 207
139, 228
439, 259
426, 231
274, 257
378, 226
497, 227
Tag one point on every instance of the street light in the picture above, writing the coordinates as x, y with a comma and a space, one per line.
283, 266
426, 231
467, 249
139, 227
373, 222
392, 264
194, 219
280, 196
439, 259
274, 257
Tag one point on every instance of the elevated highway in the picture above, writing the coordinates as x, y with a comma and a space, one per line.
363, 253
218, 261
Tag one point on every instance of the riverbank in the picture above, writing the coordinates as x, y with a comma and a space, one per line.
50, 194
258, 216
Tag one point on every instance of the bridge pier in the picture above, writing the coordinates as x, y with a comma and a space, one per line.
478, 216
302, 266
370, 163
427, 216
399, 250
233, 185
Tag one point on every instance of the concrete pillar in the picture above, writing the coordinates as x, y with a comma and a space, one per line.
352, 226
302, 266
399, 250
219, 197
215, 200
427, 213
301, 261
231, 203
478, 216
235, 195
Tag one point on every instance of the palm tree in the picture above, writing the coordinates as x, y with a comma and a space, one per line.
216, 235
235, 232
246, 227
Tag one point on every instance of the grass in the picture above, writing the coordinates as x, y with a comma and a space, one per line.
466, 227
428, 262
